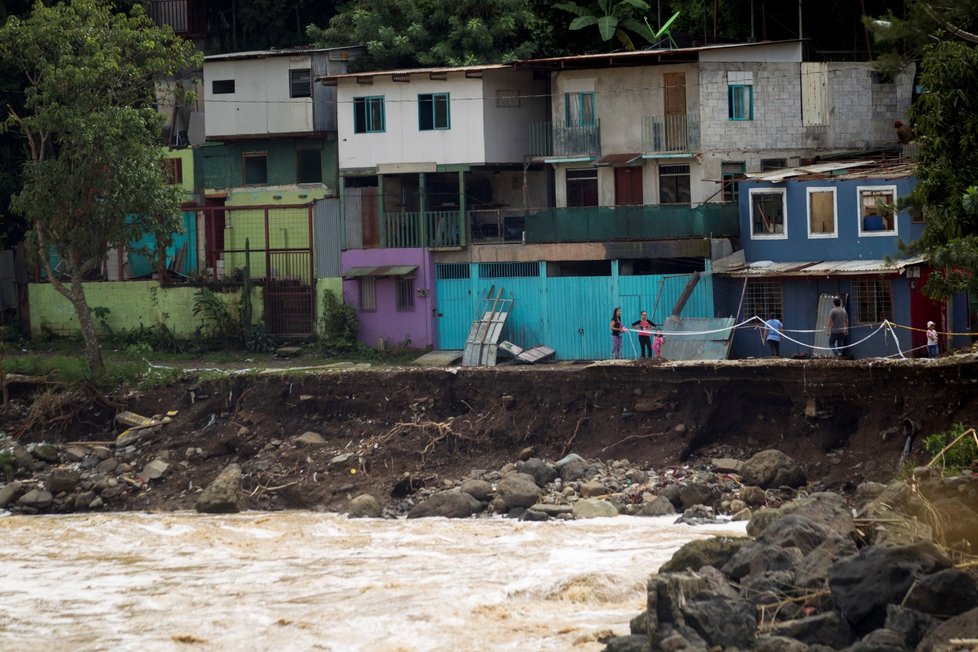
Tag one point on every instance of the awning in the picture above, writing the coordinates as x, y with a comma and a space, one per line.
381, 270
615, 160
820, 268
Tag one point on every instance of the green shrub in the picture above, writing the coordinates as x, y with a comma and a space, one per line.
218, 325
338, 324
959, 456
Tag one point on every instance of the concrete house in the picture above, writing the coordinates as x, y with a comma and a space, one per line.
268, 164
814, 233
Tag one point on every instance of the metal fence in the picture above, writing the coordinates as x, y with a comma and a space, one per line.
549, 139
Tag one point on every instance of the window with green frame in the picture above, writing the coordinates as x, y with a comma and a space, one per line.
433, 111
740, 95
579, 110
368, 114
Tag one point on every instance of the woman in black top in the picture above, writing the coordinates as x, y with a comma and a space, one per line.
616, 330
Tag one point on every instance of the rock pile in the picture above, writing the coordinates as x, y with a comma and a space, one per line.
814, 578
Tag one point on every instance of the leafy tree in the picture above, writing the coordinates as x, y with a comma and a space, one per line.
267, 24
411, 33
94, 175
946, 123
613, 18
902, 39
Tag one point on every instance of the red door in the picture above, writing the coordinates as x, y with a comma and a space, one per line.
922, 310
628, 186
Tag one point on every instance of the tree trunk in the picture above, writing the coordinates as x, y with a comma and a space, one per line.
92, 349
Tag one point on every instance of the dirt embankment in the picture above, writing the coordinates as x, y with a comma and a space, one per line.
387, 431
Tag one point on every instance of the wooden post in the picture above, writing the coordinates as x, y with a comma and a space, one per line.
463, 224
381, 227
423, 207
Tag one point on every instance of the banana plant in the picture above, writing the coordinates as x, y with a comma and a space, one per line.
612, 18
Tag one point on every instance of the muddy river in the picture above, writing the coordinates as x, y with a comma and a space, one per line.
307, 581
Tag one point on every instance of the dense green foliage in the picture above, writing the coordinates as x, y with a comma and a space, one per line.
94, 174
337, 325
620, 19
903, 36
409, 33
961, 455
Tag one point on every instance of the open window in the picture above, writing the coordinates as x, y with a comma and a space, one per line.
255, 168
877, 210
768, 213
872, 300
582, 187
823, 219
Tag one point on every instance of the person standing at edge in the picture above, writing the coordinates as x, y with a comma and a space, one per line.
837, 327
772, 334
644, 333
616, 330
932, 350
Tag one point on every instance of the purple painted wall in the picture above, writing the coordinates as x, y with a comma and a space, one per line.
387, 321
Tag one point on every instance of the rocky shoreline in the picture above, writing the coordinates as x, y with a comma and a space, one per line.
887, 568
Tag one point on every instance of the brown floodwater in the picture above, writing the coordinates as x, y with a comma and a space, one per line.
309, 581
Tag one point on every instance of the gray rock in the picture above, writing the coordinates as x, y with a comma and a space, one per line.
567, 459
95, 504
517, 490
776, 558
75, 453
671, 493
963, 626
658, 507
552, 510
636, 476
222, 495
698, 515
594, 508
697, 493
9, 492
720, 620
593, 488
63, 480
795, 531
542, 472
943, 594
911, 625
778, 644
573, 470
364, 506
46, 452
631, 643
107, 465
772, 468
310, 439
22, 456
342, 461
829, 629
743, 515
880, 640
668, 592
639, 624
753, 496
868, 491
38, 499
154, 470
84, 499
736, 505
534, 515
478, 489
448, 504
864, 584
704, 552
768, 587
813, 570
727, 465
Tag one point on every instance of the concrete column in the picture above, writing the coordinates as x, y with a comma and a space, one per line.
381, 226
341, 183
462, 222
423, 208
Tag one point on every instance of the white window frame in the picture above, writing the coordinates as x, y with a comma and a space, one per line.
784, 212
835, 212
895, 231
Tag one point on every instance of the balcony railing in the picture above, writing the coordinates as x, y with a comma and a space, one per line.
670, 133
658, 222
549, 139
432, 229
497, 225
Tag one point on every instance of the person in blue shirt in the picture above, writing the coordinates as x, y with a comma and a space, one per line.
772, 334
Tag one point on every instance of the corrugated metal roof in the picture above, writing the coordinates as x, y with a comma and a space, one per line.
380, 270
640, 53
824, 268
837, 170
285, 52
617, 159
418, 71
819, 168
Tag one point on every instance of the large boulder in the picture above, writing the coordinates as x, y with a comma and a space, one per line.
698, 493
720, 620
880, 640
963, 626
630, 643
911, 625
864, 584
38, 499
813, 570
63, 480
660, 506
829, 629
772, 468
669, 592
222, 495
449, 504
542, 472
364, 506
945, 593
517, 490
594, 508
9, 492
704, 552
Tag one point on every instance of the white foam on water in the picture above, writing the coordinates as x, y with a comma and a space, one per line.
308, 581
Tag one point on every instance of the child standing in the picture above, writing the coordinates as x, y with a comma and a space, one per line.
932, 350
657, 343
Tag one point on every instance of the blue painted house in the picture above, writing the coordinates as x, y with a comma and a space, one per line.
813, 233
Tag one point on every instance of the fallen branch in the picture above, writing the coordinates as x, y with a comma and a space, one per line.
622, 441
584, 418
